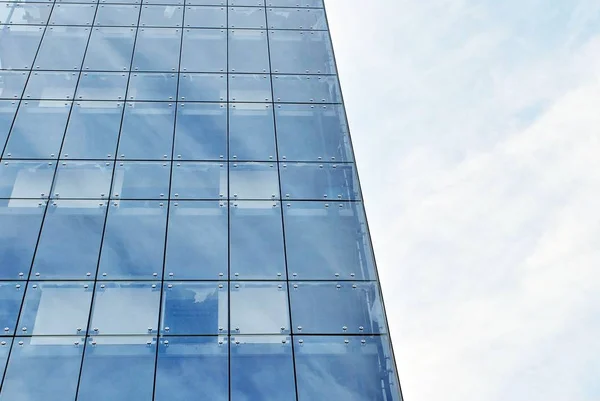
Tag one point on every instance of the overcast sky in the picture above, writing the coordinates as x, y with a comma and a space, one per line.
476, 125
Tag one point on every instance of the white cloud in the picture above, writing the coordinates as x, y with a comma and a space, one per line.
476, 128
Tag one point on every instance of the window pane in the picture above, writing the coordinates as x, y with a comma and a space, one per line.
193, 180
51, 85
248, 51
203, 87
70, 240
206, 2
194, 308
51, 363
12, 84
152, 86
24, 13
8, 109
26, 180
21, 221
296, 18
204, 50
11, 296
182, 360
201, 131
5, 346
162, 16
141, 180
319, 181
73, 14
247, 17
250, 88
254, 181
102, 86
38, 130
251, 132
93, 130
306, 89
301, 52
147, 131
117, 1
312, 133
117, 15
118, 369
336, 234
83, 179
256, 240
176, 2
337, 308
262, 368
18, 45
56, 308
134, 241
62, 48
259, 308
157, 49
110, 48
125, 308
295, 3
205, 17
197, 241
350, 367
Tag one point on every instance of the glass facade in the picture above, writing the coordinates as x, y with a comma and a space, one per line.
180, 213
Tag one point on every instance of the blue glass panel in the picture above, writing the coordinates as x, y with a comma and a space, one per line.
24, 13
5, 346
21, 221
161, 16
43, 368
336, 234
119, 1
296, 18
18, 46
251, 132
182, 360
102, 86
336, 308
301, 52
253, 181
248, 51
247, 17
79, 1
12, 84
306, 89
204, 50
195, 308
152, 86
51, 85
351, 368
259, 308
262, 369
62, 48
82, 179
38, 130
125, 308
8, 109
193, 180
319, 181
118, 369
73, 14
141, 180
256, 240
110, 49
117, 15
206, 2
26, 179
197, 241
157, 49
70, 240
201, 131
134, 240
295, 3
205, 17
11, 296
147, 131
249, 88
56, 308
203, 87
251, 3
93, 130
172, 2
307, 132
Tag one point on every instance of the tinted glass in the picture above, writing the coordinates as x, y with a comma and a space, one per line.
295, 3
8, 109
254, 181
73, 14
205, 17
157, 49
204, 50
301, 52
247, 17
110, 49
203, 87
152, 86
102, 86
51, 85
161, 16
306, 89
62, 48
319, 181
18, 46
197, 180
248, 51
141, 180
81, 179
201, 131
117, 15
11, 296
296, 18
251, 132
259, 308
24, 13
249, 88
26, 179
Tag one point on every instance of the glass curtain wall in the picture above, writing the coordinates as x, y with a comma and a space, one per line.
180, 214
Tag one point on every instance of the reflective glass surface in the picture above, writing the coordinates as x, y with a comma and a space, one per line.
157, 49
8, 109
62, 48
110, 48
259, 308
203, 87
11, 296
51, 85
204, 50
161, 15
12, 84
18, 46
247, 17
152, 86
117, 15
296, 18
248, 51
102, 86
315, 181
73, 14
205, 17
249, 88
295, 3
26, 179
24, 13
251, 132
141, 180
198, 180
301, 52
201, 131
306, 89
82, 179
253, 181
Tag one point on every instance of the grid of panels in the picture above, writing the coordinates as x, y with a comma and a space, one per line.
180, 211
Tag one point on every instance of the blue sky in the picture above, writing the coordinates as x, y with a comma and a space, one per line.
476, 126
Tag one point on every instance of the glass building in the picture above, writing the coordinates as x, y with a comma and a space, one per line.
180, 214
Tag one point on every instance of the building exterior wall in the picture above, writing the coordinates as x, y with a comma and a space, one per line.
180, 213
